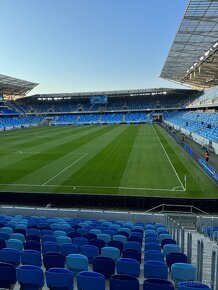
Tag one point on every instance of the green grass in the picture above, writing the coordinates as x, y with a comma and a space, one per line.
115, 159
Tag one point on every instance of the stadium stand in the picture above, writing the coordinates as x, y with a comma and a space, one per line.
202, 123
110, 265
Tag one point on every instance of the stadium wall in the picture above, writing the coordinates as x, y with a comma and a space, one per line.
101, 202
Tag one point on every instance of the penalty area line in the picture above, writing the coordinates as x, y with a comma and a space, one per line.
53, 177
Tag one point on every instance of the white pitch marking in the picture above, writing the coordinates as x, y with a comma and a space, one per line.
90, 186
64, 169
168, 158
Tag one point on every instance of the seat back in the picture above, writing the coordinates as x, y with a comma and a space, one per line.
59, 279
77, 263
104, 265
53, 260
153, 255
90, 280
10, 256
67, 249
121, 281
90, 251
128, 266
157, 284
31, 257
30, 276
14, 244
111, 252
8, 276
155, 269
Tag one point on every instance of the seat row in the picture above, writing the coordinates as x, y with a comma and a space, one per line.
32, 277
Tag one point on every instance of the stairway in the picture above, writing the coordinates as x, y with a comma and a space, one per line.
209, 246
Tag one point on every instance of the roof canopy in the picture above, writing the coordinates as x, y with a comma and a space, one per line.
119, 93
15, 87
193, 57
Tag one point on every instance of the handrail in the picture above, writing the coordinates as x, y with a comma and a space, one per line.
191, 207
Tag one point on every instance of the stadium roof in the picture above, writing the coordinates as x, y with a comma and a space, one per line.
135, 92
193, 57
15, 87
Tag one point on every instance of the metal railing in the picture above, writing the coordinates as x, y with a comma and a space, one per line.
178, 233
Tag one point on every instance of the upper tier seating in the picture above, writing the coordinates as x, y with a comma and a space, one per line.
204, 124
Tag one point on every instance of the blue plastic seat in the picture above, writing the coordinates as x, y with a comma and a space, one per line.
150, 226
170, 248
135, 239
6, 230
95, 231
33, 238
152, 246
90, 280
8, 276
90, 251
59, 279
150, 235
10, 256
80, 241
153, 255
82, 231
104, 265
192, 286
33, 231
111, 252
181, 272
90, 236
4, 236
18, 236
59, 233
73, 235
152, 240
67, 249
31, 257
120, 238
128, 266
136, 234
53, 260
167, 242
14, 244
109, 232
121, 281
157, 284
46, 232
104, 237
32, 245
20, 231
99, 243
155, 269
50, 247
77, 263
132, 254
63, 240
116, 244
30, 277
2, 244
164, 236
132, 245
123, 233
172, 258
48, 238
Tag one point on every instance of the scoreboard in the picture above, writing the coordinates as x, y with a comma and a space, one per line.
96, 100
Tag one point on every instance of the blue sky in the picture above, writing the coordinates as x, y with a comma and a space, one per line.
88, 45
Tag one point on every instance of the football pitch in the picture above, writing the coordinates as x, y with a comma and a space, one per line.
108, 159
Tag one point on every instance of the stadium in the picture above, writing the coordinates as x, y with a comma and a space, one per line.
115, 189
